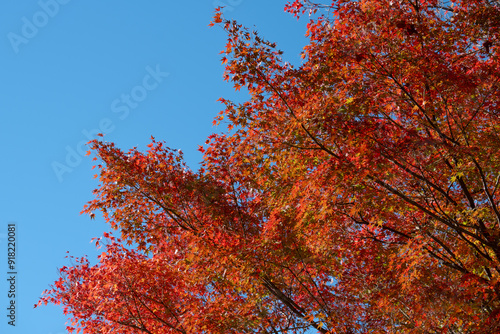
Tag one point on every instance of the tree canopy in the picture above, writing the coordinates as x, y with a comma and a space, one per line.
355, 193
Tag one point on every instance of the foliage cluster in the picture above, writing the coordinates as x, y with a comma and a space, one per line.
356, 193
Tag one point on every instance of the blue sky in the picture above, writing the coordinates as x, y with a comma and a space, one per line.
130, 69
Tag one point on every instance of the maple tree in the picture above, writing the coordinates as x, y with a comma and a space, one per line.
355, 193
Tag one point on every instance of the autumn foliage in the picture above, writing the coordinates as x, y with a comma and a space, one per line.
355, 193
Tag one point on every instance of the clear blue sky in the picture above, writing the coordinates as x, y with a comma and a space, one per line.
70, 69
